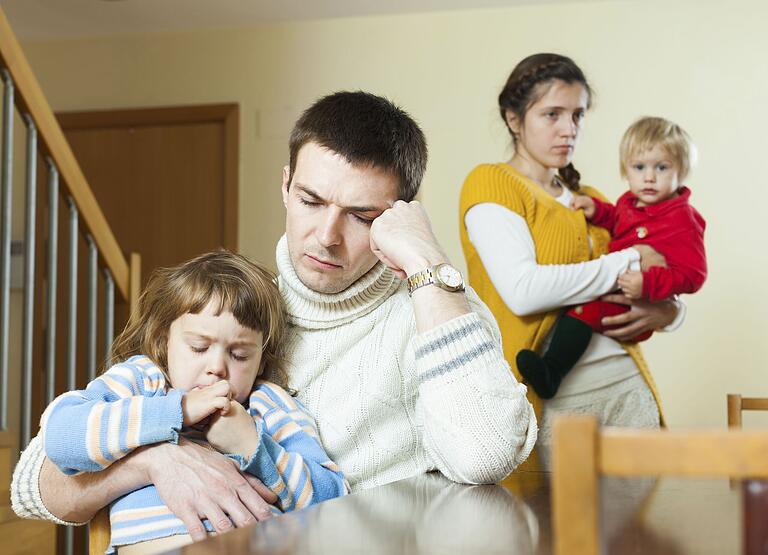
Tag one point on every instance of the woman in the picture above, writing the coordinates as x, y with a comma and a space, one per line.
529, 254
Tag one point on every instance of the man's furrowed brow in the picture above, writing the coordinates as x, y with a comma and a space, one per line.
310, 193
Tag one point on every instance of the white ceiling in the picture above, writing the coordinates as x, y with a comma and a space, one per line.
48, 19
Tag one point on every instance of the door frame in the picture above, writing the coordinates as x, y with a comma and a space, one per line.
226, 114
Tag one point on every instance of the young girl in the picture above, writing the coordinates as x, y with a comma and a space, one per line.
655, 157
187, 363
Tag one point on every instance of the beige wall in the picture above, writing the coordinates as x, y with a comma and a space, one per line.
700, 63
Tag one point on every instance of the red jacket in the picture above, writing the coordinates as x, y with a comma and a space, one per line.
673, 227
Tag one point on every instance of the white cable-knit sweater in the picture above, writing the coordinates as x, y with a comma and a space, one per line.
389, 403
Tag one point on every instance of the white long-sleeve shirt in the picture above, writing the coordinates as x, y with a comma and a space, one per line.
504, 244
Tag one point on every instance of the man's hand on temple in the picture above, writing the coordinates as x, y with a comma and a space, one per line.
402, 238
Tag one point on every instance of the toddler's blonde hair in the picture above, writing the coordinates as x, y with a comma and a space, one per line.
649, 132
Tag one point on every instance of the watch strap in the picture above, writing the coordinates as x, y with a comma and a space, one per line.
420, 279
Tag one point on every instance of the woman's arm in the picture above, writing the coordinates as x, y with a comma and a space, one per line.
505, 246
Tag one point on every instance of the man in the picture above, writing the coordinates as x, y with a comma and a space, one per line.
403, 375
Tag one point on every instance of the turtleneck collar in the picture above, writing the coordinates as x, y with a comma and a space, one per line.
313, 310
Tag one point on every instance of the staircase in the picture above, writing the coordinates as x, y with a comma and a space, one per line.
63, 326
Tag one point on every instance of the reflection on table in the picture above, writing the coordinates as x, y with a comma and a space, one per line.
430, 514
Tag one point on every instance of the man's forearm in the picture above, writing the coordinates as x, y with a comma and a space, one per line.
433, 307
72, 499
78, 498
477, 423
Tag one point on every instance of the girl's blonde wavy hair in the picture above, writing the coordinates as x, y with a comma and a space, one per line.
246, 289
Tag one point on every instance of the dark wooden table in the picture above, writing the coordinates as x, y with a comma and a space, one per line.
429, 514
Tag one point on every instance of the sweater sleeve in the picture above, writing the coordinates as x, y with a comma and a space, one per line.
289, 459
605, 214
476, 421
26, 500
662, 283
126, 407
526, 286
686, 261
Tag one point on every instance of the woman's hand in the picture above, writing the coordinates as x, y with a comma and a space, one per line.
201, 402
233, 433
402, 238
643, 316
585, 203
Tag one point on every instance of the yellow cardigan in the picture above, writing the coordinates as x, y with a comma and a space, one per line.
561, 237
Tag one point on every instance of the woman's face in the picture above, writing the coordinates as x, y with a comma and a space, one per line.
550, 128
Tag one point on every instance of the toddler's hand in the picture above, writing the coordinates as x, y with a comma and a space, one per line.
585, 203
233, 432
204, 401
631, 284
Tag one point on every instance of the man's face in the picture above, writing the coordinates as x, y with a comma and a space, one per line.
330, 205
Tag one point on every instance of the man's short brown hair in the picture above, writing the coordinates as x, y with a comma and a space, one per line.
367, 130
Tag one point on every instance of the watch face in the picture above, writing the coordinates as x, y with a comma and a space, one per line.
449, 275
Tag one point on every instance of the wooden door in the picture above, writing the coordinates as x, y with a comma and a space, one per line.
166, 178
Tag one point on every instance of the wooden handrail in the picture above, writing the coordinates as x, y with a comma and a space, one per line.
30, 99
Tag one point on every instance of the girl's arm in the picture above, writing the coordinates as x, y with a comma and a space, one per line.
288, 457
125, 408
505, 246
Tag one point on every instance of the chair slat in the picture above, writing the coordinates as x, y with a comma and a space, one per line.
732, 453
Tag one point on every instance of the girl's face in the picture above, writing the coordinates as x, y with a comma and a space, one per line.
550, 128
652, 176
205, 348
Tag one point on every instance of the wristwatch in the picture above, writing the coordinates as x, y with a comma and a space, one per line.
444, 276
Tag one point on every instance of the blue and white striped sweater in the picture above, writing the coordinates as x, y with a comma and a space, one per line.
131, 405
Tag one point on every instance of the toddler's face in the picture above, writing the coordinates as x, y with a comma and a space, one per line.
652, 176
205, 348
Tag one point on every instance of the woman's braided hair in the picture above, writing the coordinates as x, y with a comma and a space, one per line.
523, 89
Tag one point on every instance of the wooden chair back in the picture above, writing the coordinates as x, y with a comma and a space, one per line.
737, 404
582, 452
99, 532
